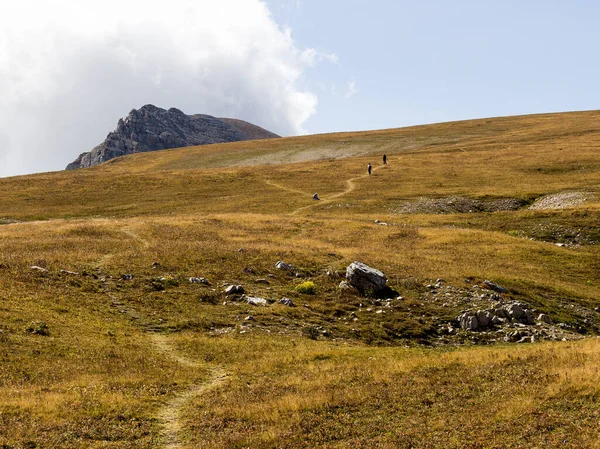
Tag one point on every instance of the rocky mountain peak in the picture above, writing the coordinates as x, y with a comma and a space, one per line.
152, 128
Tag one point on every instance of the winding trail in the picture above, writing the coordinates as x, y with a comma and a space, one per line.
289, 189
350, 187
170, 414
134, 235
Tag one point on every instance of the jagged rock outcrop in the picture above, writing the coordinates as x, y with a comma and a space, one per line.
151, 128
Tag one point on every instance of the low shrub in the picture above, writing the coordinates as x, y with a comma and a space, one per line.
307, 288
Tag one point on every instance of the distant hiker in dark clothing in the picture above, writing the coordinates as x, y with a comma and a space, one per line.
316, 197
369, 168
384, 159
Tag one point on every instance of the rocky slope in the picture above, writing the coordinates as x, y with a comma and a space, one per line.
151, 128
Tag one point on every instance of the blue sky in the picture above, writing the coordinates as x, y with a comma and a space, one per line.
72, 69
418, 62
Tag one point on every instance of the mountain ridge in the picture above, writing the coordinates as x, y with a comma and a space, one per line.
152, 128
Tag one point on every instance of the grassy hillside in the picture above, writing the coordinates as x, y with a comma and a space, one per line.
108, 344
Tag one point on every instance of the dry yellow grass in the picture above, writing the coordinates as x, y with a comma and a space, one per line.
101, 378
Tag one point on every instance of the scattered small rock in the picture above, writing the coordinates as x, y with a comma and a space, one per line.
37, 268
256, 301
262, 281
495, 287
344, 285
515, 313
284, 266
234, 290
249, 318
204, 281
72, 273
543, 318
475, 320
127, 277
286, 302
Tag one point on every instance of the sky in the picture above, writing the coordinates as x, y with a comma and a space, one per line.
70, 69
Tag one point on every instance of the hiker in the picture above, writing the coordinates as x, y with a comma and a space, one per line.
369, 168
316, 197
384, 159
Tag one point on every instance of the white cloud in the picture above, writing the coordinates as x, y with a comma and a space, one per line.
69, 70
351, 89
311, 57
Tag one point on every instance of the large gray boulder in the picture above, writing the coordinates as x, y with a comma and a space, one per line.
368, 281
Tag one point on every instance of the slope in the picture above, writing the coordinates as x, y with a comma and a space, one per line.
109, 344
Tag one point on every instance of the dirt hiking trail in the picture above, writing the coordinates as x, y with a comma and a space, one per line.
170, 414
350, 187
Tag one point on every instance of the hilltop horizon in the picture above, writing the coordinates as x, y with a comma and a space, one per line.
267, 134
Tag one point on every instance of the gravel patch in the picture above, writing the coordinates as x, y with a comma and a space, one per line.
562, 200
457, 205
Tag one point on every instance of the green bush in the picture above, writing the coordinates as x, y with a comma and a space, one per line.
308, 288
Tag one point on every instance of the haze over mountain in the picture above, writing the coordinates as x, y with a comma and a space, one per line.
151, 128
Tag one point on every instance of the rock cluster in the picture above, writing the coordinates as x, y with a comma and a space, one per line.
151, 128
514, 312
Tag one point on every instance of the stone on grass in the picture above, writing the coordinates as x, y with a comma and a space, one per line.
543, 318
234, 290
495, 287
286, 302
40, 269
468, 321
516, 312
472, 321
204, 281
367, 280
284, 266
256, 301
